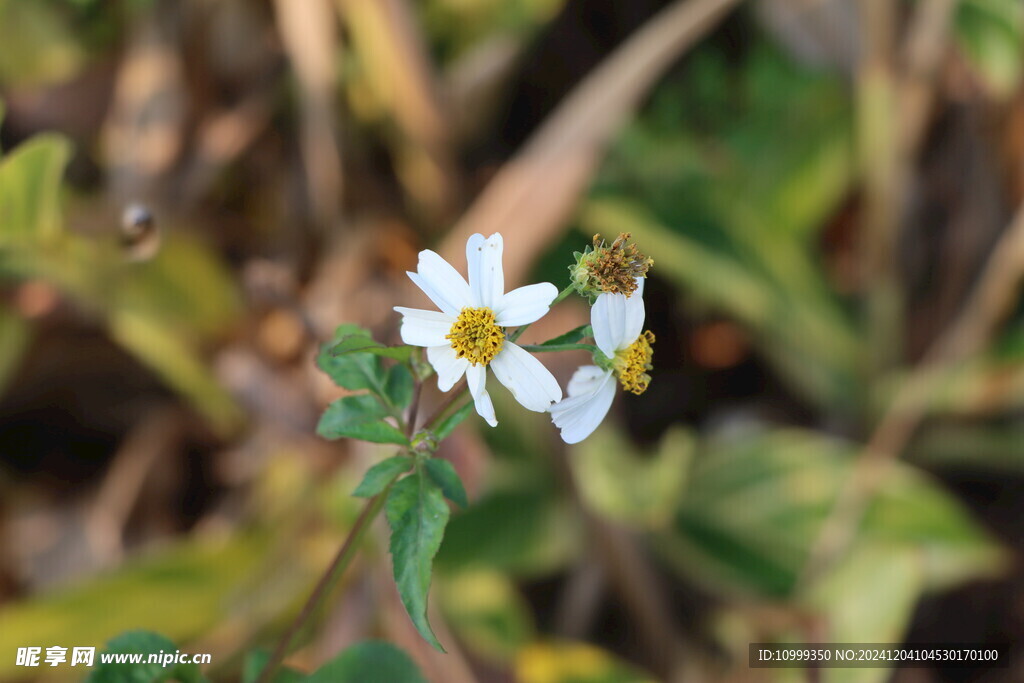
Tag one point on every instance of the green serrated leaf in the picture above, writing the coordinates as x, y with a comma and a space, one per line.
417, 514
398, 386
353, 343
448, 425
256, 660
380, 475
352, 370
359, 417
369, 662
571, 337
145, 643
444, 475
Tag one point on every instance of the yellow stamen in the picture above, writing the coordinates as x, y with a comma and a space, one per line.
631, 364
475, 336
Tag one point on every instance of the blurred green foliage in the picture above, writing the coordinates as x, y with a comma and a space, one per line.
991, 35
455, 26
728, 187
163, 311
728, 178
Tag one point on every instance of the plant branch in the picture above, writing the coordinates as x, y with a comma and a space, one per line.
454, 395
327, 581
410, 427
537, 348
522, 328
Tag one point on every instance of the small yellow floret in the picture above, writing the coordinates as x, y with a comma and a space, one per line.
632, 363
475, 335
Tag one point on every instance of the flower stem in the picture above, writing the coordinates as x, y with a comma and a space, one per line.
561, 295
327, 581
536, 348
461, 389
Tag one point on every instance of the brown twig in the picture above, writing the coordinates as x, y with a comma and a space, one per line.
926, 45
153, 439
310, 38
326, 582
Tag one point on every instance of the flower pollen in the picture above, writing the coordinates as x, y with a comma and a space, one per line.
632, 363
476, 336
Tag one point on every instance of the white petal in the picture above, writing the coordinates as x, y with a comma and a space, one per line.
441, 282
529, 381
447, 365
578, 416
476, 377
486, 278
634, 323
525, 305
586, 380
424, 328
617, 321
606, 318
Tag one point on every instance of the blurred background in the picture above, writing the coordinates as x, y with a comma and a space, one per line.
194, 193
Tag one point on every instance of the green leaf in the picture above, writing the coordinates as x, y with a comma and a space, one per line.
398, 386
444, 475
369, 662
417, 513
145, 643
380, 475
570, 337
359, 417
30, 179
364, 343
352, 370
869, 598
753, 508
913, 511
15, 334
256, 660
448, 424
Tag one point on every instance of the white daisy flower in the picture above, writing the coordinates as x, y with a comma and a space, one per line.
617, 321
468, 334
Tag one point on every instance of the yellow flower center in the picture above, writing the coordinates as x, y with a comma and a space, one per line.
475, 336
632, 363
